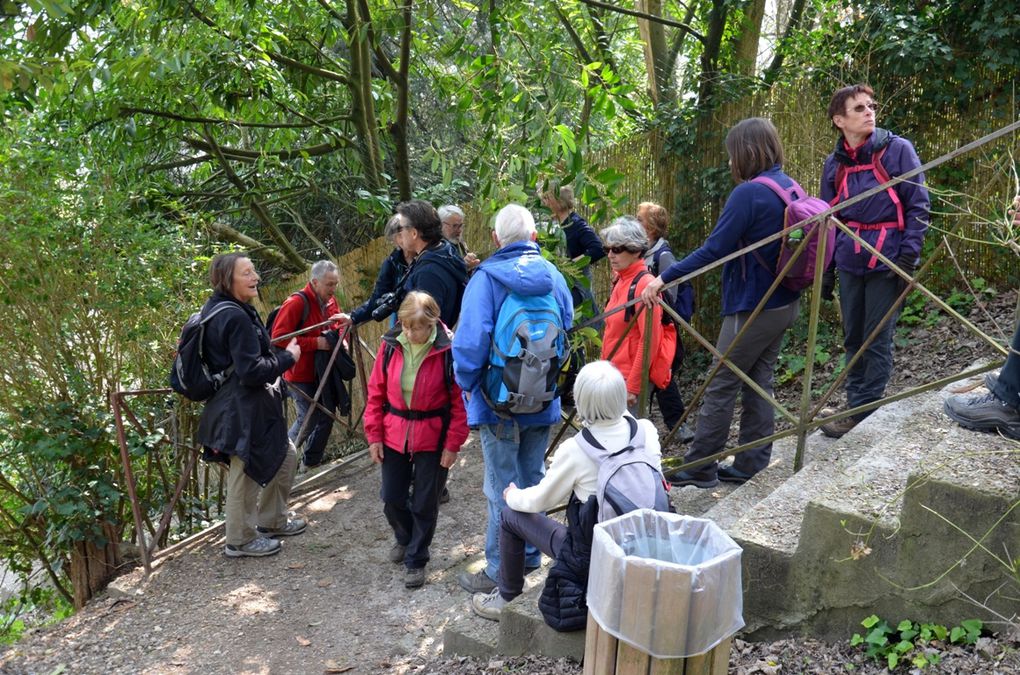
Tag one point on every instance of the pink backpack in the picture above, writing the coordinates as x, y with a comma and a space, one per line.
799, 207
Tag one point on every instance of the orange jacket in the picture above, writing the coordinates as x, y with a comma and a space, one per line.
628, 358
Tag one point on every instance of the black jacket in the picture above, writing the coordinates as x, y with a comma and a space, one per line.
441, 273
564, 600
245, 417
390, 273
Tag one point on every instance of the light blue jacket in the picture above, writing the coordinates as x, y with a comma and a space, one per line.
519, 267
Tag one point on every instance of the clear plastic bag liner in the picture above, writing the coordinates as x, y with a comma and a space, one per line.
667, 584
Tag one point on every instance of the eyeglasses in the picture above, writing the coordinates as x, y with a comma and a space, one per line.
617, 250
860, 107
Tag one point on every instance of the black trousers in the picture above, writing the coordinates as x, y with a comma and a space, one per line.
412, 517
670, 402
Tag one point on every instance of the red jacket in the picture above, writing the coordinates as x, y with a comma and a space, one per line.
628, 357
430, 392
287, 321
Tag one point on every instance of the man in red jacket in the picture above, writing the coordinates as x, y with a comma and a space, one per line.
311, 305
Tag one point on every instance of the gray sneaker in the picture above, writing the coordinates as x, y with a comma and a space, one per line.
984, 412
488, 605
256, 548
479, 582
685, 434
396, 554
414, 578
293, 526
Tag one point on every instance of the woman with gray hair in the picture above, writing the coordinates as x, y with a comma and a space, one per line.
572, 479
625, 243
393, 270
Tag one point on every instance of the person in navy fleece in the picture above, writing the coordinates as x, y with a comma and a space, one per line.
893, 221
752, 212
581, 239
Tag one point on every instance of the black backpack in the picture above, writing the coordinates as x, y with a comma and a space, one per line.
276, 310
190, 376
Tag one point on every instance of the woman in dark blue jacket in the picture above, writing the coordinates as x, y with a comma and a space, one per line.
243, 423
752, 212
893, 221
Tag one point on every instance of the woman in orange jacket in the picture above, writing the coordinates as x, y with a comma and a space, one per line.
625, 243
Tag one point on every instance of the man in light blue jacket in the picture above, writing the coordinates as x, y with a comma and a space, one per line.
513, 447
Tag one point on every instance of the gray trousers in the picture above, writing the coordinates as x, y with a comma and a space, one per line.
755, 355
864, 301
245, 508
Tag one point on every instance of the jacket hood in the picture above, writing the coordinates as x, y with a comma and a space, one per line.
443, 254
521, 268
879, 139
444, 337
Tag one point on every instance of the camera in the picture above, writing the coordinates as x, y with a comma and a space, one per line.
386, 305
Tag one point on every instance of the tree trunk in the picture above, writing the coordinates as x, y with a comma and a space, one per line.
710, 55
660, 77
399, 128
745, 52
362, 103
92, 566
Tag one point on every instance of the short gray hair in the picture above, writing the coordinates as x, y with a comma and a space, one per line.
514, 223
323, 267
600, 392
626, 231
392, 227
448, 210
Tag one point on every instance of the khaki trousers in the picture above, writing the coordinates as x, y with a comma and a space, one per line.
244, 509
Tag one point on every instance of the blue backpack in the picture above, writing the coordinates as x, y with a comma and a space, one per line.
529, 347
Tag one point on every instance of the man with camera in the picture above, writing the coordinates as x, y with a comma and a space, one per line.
309, 306
437, 268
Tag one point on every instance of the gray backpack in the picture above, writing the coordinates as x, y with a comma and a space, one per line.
630, 478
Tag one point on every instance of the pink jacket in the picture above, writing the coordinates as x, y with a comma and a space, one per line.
430, 392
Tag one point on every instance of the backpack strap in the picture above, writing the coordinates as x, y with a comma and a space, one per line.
882, 176
410, 414
221, 376
628, 313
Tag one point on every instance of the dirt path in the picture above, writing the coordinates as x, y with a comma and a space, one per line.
329, 600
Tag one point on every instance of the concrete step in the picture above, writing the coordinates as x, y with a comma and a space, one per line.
876, 521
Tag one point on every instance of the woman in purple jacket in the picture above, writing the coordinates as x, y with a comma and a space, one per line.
893, 222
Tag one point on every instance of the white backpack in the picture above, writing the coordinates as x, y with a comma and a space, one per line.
629, 478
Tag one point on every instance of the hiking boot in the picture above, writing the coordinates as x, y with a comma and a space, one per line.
414, 578
488, 605
730, 474
984, 412
683, 478
396, 554
293, 526
256, 548
839, 427
991, 379
685, 434
445, 497
479, 582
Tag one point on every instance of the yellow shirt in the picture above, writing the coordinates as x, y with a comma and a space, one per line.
414, 355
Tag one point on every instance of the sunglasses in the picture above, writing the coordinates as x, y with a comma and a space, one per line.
860, 107
617, 250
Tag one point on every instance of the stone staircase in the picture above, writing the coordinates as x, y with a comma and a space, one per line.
900, 517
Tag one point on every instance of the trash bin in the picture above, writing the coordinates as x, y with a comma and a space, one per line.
668, 585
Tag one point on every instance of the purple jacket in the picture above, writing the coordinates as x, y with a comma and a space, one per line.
899, 157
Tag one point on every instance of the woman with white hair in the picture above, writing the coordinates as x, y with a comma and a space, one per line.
601, 398
625, 243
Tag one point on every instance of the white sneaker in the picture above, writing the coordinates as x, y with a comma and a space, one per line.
488, 605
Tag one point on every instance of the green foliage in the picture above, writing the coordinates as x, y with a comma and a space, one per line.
37, 601
911, 643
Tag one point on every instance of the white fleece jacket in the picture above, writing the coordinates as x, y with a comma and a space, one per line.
572, 470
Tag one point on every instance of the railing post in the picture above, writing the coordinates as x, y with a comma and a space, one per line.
646, 361
812, 337
129, 478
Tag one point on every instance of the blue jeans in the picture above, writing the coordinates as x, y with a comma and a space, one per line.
512, 454
319, 428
